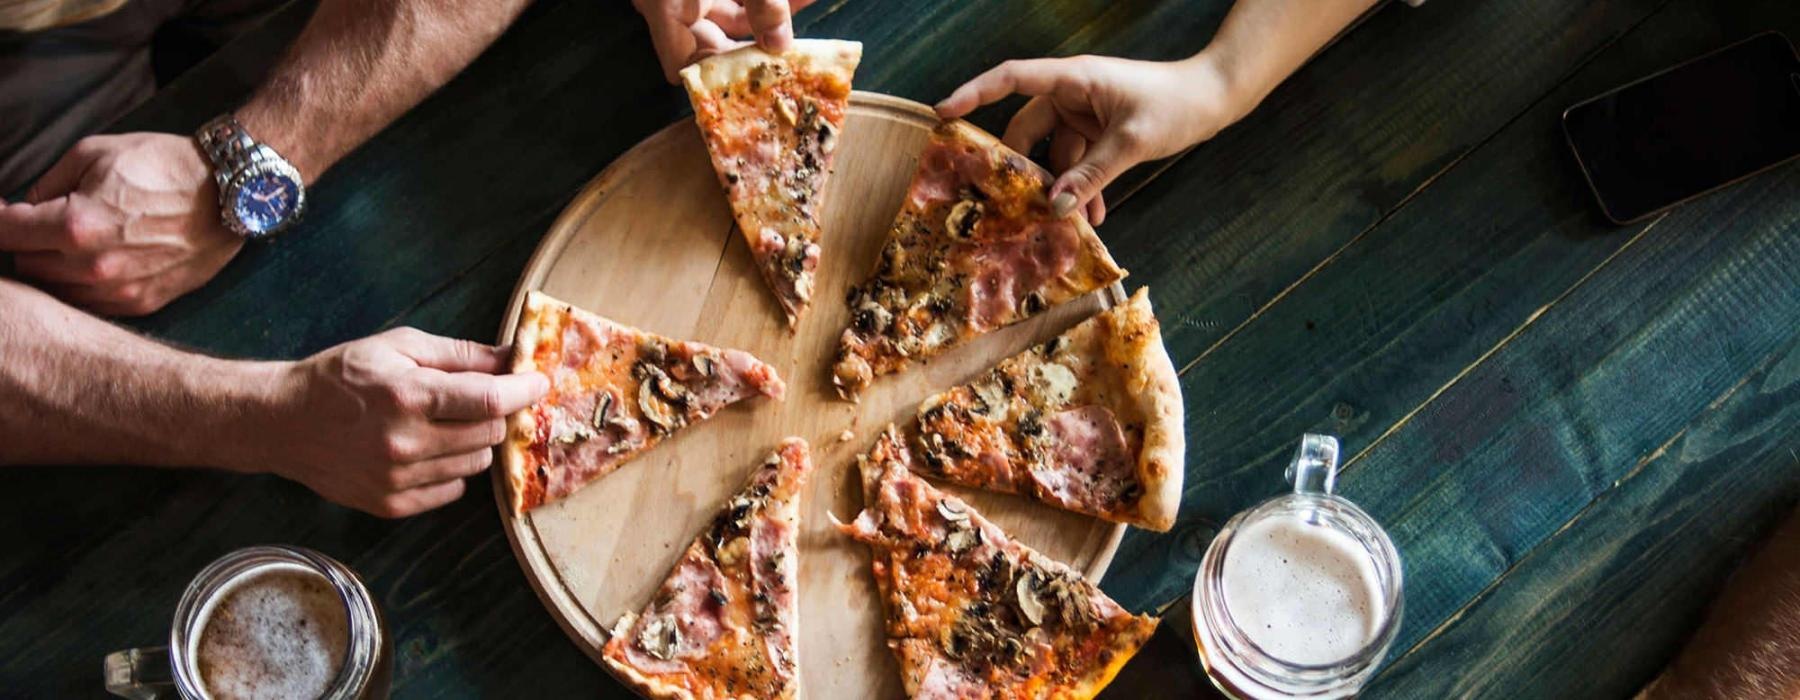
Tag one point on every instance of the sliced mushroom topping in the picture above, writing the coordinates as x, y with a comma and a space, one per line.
671, 390
1033, 303
962, 219
659, 637
962, 540
704, 364
784, 108
952, 512
1031, 606
661, 415
579, 434
827, 135
603, 410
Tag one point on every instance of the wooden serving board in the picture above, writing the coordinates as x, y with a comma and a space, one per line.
650, 243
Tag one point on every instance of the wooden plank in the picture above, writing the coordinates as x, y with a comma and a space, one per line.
1358, 347
1341, 145
1599, 608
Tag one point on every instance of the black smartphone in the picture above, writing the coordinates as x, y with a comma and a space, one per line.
1690, 129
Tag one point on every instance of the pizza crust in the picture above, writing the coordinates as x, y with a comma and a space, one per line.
646, 686
718, 72
521, 426
1154, 389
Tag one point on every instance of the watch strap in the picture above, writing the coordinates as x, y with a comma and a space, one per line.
227, 145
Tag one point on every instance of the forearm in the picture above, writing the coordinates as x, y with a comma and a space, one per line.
360, 64
1262, 42
75, 389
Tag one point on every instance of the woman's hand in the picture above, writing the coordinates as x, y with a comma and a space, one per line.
686, 31
1102, 115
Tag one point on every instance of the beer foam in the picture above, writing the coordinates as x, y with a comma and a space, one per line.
1304, 593
277, 632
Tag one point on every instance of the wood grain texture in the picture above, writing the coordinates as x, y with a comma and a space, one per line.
431, 223
1385, 323
651, 244
1636, 568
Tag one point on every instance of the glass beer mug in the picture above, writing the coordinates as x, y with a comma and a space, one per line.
284, 621
1300, 596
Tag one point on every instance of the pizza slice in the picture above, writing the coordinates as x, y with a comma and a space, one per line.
615, 391
771, 123
971, 613
975, 247
723, 624
1089, 421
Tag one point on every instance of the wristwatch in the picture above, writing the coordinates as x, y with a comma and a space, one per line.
260, 193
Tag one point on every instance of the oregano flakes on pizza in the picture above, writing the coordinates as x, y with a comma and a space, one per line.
772, 123
974, 248
724, 623
615, 391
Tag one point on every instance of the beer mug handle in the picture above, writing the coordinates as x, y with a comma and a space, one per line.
1315, 466
140, 674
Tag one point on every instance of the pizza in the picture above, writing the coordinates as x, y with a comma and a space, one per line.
772, 124
1089, 421
615, 391
723, 624
975, 247
971, 613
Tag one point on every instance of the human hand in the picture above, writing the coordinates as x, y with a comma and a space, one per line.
1102, 115
121, 224
391, 424
686, 31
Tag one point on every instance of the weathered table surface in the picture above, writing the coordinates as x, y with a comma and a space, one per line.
1572, 429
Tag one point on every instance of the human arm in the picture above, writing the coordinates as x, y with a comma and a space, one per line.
1104, 115
685, 31
388, 424
124, 224
1749, 645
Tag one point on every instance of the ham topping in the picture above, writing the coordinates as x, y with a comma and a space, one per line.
1093, 466
683, 622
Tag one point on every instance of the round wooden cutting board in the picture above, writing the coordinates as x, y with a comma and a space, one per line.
650, 243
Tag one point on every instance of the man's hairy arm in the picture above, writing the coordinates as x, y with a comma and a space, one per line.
389, 424
75, 389
359, 65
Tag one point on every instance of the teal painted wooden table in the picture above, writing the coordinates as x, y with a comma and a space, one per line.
1573, 430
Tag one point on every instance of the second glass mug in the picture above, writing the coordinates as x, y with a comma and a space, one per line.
1237, 664
172, 671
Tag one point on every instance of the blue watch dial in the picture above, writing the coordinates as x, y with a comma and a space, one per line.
265, 201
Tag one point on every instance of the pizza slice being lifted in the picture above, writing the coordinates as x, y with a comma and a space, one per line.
975, 247
723, 624
971, 613
615, 391
771, 123
1089, 421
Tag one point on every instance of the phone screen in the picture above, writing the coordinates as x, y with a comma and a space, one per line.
1690, 129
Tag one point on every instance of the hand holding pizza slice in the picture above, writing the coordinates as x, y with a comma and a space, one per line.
772, 123
974, 248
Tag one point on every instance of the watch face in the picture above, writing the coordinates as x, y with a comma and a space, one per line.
264, 201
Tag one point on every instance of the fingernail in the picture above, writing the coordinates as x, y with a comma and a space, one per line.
1062, 204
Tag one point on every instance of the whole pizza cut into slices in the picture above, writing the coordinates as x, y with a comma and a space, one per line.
772, 123
1089, 421
723, 624
975, 247
971, 613
615, 391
